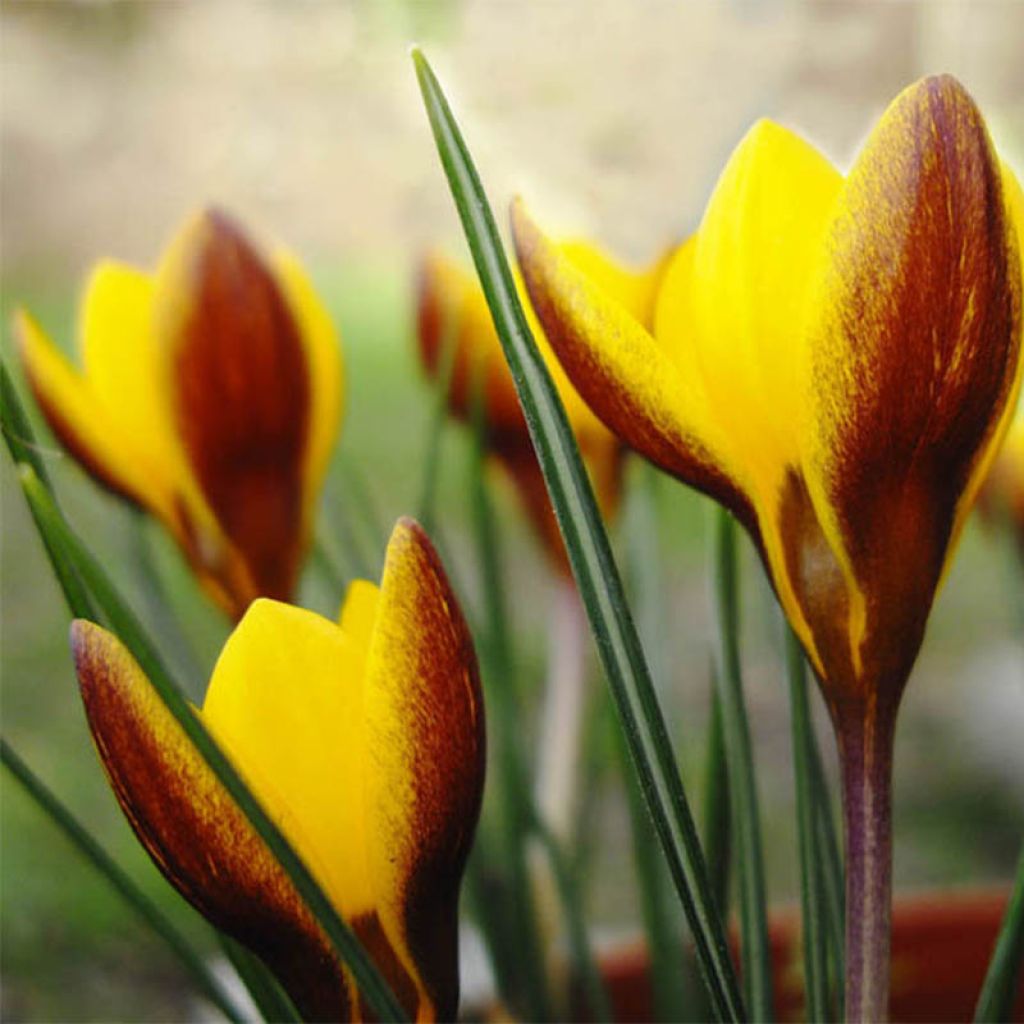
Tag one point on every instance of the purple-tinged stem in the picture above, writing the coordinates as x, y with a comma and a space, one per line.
865, 745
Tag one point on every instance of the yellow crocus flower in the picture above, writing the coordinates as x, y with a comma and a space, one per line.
209, 394
363, 739
452, 307
835, 359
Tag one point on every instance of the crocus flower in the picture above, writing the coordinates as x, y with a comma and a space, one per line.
452, 307
834, 359
209, 394
363, 739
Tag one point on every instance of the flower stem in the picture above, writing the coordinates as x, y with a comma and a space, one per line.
865, 744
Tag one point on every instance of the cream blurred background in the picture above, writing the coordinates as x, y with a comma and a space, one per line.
613, 117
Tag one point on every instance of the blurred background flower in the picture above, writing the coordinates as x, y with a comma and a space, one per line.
209, 395
116, 120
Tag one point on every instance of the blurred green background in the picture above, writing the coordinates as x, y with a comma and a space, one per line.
116, 120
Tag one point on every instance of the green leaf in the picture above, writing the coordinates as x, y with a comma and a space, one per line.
60, 538
812, 856
717, 811
164, 624
514, 788
83, 841
999, 990
348, 550
331, 565
585, 965
24, 449
362, 502
590, 557
664, 942
664, 939
17, 430
833, 876
271, 1000
489, 900
754, 947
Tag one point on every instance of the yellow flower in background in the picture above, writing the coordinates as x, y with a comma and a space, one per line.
209, 394
1003, 490
834, 359
452, 306
364, 740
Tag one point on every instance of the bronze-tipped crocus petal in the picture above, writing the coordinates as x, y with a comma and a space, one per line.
835, 360
209, 394
451, 305
364, 740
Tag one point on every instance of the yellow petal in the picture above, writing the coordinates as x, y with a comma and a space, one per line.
914, 335
619, 369
729, 312
194, 831
1013, 197
84, 424
285, 701
122, 366
424, 768
636, 290
325, 366
359, 612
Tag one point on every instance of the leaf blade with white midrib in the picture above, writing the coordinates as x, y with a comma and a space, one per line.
591, 559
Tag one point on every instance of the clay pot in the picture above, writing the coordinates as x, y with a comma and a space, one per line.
941, 945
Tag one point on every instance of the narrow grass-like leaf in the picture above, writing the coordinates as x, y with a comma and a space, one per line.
363, 503
165, 625
271, 1000
24, 449
755, 950
664, 937
833, 877
348, 544
330, 563
435, 431
1000, 987
489, 900
590, 557
86, 844
644, 565
585, 965
812, 885
126, 626
513, 780
17, 430
665, 951
716, 807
